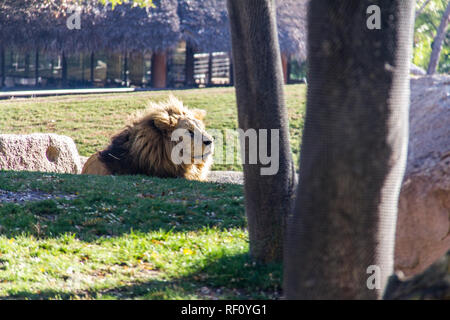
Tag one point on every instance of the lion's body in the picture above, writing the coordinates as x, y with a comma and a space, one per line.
145, 146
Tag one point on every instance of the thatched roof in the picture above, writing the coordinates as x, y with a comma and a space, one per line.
204, 24
27, 24
291, 20
129, 27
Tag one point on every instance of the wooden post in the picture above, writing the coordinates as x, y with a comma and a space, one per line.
284, 64
189, 64
64, 70
210, 69
159, 70
92, 68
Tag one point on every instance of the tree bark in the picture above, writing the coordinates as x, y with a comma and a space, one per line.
353, 152
259, 91
159, 70
189, 72
438, 41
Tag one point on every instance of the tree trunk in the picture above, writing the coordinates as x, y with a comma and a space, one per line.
438, 41
259, 91
159, 70
189, 72
353, 152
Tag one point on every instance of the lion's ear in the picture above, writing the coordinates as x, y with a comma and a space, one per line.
199, 113
163, 121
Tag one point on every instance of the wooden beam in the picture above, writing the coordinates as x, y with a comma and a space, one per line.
159, 70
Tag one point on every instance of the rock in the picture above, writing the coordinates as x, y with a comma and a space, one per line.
234, 177
433, 283
39, 152
417, 71
423, 227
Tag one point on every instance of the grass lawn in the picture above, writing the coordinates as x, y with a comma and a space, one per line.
127, 237
90, 120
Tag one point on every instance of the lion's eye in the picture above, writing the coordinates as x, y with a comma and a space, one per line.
191, 133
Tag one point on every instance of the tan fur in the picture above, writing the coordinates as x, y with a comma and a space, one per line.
145, 146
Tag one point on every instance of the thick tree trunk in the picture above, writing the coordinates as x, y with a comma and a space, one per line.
259, 90
438, 41
189, 72
159, 70
353, 151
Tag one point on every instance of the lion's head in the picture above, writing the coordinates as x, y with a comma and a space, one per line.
167, 139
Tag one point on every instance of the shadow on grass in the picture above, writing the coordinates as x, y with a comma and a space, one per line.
230, 277
114, 205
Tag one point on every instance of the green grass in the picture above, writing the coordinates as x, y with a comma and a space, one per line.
128, 237
90, 120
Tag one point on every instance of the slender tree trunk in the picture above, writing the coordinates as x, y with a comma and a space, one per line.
189, 72
260, 99
159, 70
353, 151
438, 41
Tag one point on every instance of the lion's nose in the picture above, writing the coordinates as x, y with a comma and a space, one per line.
207, 142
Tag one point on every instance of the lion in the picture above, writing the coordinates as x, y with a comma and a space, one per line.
147, 146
